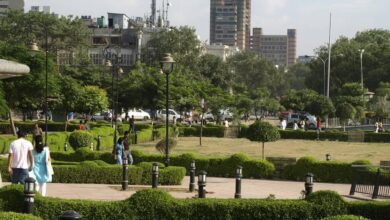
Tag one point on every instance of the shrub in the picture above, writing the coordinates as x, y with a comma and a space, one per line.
345, 217
262, 132
330, 202
78, 139
371, 210
194, 131
312, 135
172, 143
17, 216
383, 137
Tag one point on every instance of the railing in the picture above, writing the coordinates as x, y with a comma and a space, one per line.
365, 180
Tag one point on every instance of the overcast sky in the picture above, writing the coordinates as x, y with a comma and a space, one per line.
309, 17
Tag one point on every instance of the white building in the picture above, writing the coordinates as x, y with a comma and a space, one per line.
219, 50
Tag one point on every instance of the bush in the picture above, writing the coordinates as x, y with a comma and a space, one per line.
312, 135
324, 171
194, 131
172, 143
383, 137
157, 204
262, 132
330, 202
345, 217
17, 216
78, 139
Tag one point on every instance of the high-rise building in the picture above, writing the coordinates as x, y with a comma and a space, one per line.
230, 22
280, 49
6, 5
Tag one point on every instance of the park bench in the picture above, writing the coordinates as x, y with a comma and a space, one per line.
366, 181
280, 163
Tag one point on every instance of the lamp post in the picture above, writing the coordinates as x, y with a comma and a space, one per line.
361, 51
202, 184
125, 174
237, 195
309, 184
113, 59
154, 175
34, 47
29, 193
192, 176
167, 64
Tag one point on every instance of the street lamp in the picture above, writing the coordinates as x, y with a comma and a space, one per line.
34, 47
167, 64
112, 59
361, 51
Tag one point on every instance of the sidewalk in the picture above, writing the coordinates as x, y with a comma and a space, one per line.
216, 188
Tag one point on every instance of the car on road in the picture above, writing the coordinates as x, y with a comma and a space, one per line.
138, 114
161, 115
101, 116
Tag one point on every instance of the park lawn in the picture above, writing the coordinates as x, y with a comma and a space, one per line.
341, 151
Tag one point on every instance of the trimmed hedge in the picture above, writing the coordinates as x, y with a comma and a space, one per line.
324, 171
79, 139
194, 131
158, 204
377, 137
17, 216
312, 135
345, 217
371, 210
99, 172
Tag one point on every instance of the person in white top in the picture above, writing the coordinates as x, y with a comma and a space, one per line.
20, 159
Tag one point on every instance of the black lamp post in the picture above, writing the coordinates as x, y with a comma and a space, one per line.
202, 184
154, 175
328, 157
125, 174
309, 184
113, 59
237, 195
29, 193
34, 47
192, 176
65, 146
167, 64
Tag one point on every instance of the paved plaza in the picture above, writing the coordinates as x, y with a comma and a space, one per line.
216, 188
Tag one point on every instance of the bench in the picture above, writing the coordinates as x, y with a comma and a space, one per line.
366, 181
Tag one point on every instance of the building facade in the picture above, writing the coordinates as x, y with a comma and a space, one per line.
280, 49
222, 51
6, 5
230, 23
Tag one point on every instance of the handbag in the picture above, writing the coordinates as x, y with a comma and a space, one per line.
49, 167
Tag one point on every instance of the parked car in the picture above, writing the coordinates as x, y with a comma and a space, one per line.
208, 116
225, 114
297, 117
138, 114
101, 116
161, 114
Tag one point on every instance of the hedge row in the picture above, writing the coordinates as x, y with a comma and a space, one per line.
158, 204
17, 216
218, 167
99, 172
215, 131
324, 171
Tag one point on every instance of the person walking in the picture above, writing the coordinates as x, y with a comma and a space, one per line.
37, 131
318, 127
119, 151
82, 126
126, 147
20, 158
41, 156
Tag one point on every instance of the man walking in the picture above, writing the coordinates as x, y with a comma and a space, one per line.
20, 159
126, 146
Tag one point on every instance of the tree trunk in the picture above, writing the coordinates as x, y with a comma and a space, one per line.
66, 122
11, 121
262, 153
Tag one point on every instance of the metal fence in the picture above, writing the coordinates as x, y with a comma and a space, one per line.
372, 180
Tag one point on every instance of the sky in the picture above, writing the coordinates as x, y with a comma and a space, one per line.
309, 17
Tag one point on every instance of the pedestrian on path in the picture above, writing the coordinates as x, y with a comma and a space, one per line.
119, 151
41, 156
37, 131
126, 146
20, 158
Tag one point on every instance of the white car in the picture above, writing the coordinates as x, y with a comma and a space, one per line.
161, 114
138, 114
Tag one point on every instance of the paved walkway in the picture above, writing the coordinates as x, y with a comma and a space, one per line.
216, 188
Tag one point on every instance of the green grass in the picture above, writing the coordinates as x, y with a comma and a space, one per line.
342, 151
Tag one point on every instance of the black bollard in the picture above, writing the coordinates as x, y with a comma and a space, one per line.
192, 176
135, 137
328, 157
65, 146
155, 175
99, 140
69, 215
237, 195
29, 194
202, 184
125, 174
309, 184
